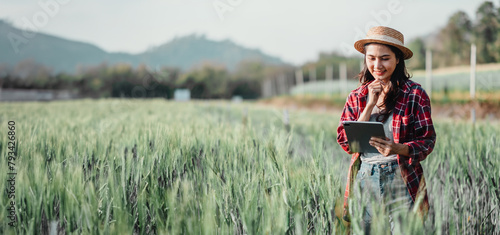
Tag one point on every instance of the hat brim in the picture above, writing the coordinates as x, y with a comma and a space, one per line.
360, 46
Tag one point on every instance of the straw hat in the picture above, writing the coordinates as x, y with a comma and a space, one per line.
384, 35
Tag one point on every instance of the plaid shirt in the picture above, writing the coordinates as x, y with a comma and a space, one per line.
411, 125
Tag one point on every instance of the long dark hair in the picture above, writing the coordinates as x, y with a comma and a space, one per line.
398, 79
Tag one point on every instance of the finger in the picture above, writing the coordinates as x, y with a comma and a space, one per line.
381, 150
381, 147
377, 139
374, 84
374, 89
376, 144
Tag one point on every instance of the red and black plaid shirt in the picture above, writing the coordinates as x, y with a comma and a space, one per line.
411, 125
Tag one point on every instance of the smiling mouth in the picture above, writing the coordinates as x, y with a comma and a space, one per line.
379, 73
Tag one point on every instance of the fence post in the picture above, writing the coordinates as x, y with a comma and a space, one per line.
329, 80
473, 71
343, 79
282, 84
269, 87
473, 81
264, 88
287, 83
312, 74
329, 73
299, 78
276, 86
428, 72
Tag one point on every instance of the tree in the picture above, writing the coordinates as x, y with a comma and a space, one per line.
247, 80
334, 59
32, 74
250, 70
208, 81
418, 60
453, 44
485, 32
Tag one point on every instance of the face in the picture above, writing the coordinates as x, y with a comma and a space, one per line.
381, 61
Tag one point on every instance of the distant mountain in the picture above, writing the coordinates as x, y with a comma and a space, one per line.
66, 55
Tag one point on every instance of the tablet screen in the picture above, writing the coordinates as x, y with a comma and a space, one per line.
359, 134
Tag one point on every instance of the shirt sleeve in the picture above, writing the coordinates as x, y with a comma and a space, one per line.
423, 140
349, 113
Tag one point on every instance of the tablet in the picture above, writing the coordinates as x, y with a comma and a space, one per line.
359, 133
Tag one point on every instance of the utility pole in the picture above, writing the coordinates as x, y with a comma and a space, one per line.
428, 71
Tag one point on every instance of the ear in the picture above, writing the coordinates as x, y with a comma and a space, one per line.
397, 60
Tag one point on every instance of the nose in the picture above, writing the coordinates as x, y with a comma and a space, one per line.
378, 63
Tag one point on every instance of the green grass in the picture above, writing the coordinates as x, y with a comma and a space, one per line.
152, 166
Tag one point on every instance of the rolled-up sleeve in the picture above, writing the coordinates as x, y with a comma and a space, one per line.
424, 137
349, 113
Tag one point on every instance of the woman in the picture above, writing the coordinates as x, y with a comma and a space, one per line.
393, 176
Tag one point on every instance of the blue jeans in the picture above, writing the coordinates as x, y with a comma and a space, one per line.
380, 190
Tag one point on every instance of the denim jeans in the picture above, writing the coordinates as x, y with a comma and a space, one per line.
380, 190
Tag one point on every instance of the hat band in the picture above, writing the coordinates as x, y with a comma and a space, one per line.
387, 39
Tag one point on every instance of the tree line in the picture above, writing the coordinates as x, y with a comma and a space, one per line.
451, 45
205, 81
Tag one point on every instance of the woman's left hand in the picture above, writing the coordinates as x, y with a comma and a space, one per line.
387, 147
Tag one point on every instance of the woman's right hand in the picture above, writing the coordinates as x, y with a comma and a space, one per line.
374, 90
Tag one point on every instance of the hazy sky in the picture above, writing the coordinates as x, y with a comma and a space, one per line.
295, 31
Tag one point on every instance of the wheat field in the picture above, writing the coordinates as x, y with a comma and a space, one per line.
158, 167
